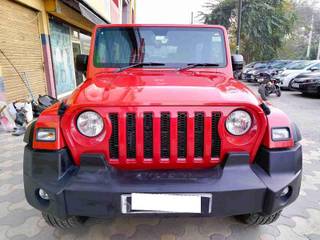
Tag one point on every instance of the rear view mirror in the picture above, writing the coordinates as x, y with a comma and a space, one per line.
82, 63
237, 62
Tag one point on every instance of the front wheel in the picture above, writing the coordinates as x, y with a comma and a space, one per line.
278, 92
258, 219
68, 223
262, 90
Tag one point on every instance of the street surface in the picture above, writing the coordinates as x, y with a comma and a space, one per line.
299, 221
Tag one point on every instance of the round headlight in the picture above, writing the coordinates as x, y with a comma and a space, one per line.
238, 122
90, 124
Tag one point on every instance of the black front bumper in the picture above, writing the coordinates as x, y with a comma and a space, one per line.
311, 88
95, 189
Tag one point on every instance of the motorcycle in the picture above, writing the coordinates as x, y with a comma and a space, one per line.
268, 85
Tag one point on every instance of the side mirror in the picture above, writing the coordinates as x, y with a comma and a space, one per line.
82, 63
312, 69
237, 62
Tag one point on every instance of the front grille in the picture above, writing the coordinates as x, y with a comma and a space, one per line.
198, 134
182, 135
114, 139
147, 135
215, 138
165, 135
131, 135
171, 144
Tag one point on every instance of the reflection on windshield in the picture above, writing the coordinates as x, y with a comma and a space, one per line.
175, 47
299, 65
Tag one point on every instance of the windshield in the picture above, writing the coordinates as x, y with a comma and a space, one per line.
260, 65
174, 47
250, 65
299, 65
279, 65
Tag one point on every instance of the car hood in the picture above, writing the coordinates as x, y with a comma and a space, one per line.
145, 88
309, 75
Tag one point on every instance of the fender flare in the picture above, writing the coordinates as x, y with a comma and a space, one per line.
28, 136
296, 134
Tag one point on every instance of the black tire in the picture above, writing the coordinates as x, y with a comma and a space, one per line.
258, 219
68, 223
290, 86
278, 92
262, 91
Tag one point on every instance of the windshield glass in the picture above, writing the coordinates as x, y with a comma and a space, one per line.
250, 65
260, 65
175, 47
299, 65
280, 64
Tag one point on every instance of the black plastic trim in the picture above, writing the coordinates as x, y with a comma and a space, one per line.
265, 108
28, 135
296, 134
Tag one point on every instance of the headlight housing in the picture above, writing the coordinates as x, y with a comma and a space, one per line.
46, 135
280, 134
238, 122
90, 124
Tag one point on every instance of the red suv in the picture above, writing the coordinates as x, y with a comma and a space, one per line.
160, 126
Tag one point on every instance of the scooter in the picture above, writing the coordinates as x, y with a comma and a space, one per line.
268, 85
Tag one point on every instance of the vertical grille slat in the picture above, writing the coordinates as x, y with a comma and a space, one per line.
148, 135
198, 134
131, 135
182, 135
114, 138
215, 141
165, 135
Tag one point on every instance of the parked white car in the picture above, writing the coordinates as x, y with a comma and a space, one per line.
292, 70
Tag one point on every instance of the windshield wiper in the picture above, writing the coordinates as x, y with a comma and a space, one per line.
193, 65
140, 64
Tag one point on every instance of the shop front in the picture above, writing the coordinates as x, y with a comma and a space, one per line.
66, 43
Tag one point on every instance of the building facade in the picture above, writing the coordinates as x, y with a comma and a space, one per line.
39, 40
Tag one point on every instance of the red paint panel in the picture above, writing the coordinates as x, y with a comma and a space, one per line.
277, 119
156, 137
49, 119
122, 138
207, 136
139, 138
190, 136
173, 137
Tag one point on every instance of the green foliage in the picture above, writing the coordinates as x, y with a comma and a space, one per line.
296, 44
265, 24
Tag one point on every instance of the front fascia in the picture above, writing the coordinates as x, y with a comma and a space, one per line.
79, 144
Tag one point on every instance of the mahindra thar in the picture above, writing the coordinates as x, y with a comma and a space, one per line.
161, 127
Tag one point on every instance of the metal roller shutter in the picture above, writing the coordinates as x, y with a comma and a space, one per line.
20, 41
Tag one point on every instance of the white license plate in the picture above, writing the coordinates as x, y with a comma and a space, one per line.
165, 203
295, 85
